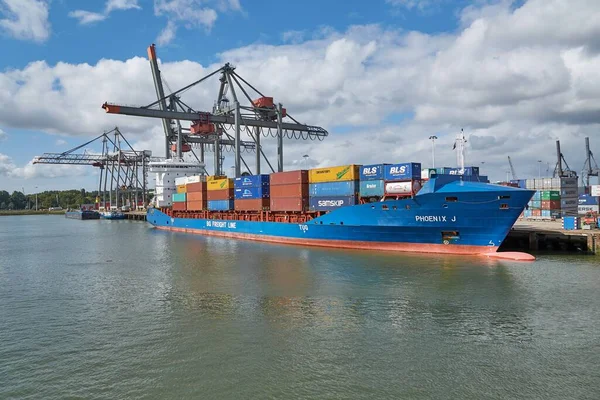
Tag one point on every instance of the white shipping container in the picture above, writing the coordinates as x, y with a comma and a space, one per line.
402, 187
584, 209
547, 184
530, 184
195, 179
595, 190
425, 173
182, 180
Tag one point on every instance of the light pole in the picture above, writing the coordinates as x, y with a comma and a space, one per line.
539, 168
305, 160
36, 204
233, 171
433, 139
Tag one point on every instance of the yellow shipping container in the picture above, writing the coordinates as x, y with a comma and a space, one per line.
181, 189
215, 177
219, 184
334, 174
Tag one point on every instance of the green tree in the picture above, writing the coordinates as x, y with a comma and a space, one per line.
18, 200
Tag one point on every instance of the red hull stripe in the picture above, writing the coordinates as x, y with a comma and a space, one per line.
346, 244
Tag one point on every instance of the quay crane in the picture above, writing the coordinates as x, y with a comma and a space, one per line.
220, 130
590, 167
512, 169
559, 172
123, 170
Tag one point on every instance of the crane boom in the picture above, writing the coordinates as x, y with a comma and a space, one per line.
160, 94
512, 169
224, 119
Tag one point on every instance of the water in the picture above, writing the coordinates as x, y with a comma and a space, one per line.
113, 309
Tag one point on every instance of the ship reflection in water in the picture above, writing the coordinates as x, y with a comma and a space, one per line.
473, 298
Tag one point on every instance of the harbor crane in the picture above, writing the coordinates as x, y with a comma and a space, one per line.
123, 170
590, 167
221, 129
512, 169
559, 171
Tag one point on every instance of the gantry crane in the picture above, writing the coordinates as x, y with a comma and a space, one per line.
209, 130
559, 171
123, 170
590, 167
512, 169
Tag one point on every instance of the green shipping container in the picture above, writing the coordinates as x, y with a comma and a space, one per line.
550, 195
179, 197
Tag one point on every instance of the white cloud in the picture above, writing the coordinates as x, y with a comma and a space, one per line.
60, 142
31, 171
190, 14
3, 135
514, 94
25, 19
89, 17
420, 5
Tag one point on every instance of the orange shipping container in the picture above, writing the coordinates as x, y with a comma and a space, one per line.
196, 187
196, 196
196, 205
224, 194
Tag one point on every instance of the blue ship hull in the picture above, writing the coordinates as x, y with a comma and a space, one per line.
446, 216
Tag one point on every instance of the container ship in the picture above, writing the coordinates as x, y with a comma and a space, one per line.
390, 207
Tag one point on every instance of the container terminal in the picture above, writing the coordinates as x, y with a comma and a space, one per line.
395, 206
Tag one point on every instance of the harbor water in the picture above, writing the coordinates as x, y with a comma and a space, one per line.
116, 309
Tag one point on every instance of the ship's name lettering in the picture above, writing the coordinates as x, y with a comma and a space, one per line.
221, 224
430, 218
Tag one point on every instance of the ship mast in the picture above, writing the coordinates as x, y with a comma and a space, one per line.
460, 146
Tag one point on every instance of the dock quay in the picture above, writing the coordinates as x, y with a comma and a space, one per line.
550, 236
135, 215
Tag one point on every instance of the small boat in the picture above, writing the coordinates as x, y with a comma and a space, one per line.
82, 214
112, 215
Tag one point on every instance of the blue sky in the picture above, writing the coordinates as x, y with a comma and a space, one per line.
420, 67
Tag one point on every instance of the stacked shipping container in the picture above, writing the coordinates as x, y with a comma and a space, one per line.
554, 198
220, 194
379, 180
196, 194
289, 191
333, 187
251, 193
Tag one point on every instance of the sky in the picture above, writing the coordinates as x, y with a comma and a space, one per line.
380, 76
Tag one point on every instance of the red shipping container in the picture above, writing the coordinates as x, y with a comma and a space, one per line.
289, 177
196, 187
196, 196
536, 213
554, 204
289, 204
196, 205
251, 204
179, 206
263, 102
222, 194
291, 190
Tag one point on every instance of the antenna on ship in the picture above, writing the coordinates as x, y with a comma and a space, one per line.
459, 146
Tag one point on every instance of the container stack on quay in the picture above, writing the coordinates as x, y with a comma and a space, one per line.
289, 191
333, 187
554, 197
588, 204
220, 194
470, 174
251, 193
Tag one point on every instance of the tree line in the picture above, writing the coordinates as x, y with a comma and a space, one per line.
53, 198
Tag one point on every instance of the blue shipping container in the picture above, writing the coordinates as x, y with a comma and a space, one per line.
372, 188
220, 205
251, 181
537, 195
252, 192
331, 202
587, 200
456, 171
372, 172
402, 172
179, 197
345, 188
536, 204
523, 183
